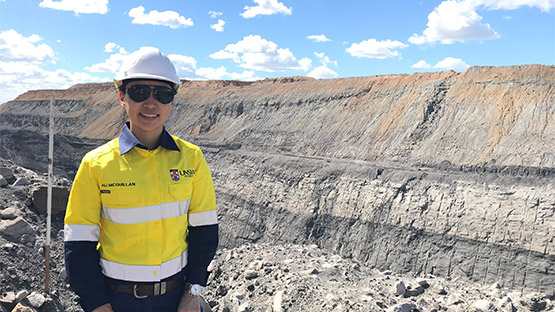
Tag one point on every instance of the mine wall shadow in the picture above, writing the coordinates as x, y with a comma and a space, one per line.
404, 250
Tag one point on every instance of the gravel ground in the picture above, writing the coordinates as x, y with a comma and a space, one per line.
254, 277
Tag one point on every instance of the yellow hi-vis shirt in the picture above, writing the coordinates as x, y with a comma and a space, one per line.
138, 206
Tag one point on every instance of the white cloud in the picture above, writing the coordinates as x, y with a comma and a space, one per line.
254, 52
323, 71
421, 64
184, 65
219, 26
21, 59
457, 21
265, 7
15, 47
18, 77
376, 49
212, 73
111, 46
111, 65
214, 14
318, 38
452, 63
171, 19
544, 5
325, 60
454, 21
77, 6
247, 75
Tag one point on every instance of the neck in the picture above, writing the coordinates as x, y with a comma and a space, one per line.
148, 139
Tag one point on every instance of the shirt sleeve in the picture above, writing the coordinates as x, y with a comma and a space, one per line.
81, 235
202, 237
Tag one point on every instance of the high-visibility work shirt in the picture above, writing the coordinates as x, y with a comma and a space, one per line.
137, 204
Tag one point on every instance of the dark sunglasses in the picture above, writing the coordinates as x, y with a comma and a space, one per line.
140, 93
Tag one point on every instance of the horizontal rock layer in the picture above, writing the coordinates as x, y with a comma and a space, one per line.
444, 173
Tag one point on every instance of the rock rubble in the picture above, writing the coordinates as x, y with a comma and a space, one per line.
250, 277
265, 277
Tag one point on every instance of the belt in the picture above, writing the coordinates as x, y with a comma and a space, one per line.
141, 291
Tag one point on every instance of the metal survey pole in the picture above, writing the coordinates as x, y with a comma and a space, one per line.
49, 199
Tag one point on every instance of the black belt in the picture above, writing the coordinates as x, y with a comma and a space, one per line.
141, 291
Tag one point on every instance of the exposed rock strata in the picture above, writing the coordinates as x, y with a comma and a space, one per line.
444, 173
486, 115
488, 228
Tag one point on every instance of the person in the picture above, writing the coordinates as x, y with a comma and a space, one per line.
141, 225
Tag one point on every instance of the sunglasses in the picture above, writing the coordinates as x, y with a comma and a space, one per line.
140, 93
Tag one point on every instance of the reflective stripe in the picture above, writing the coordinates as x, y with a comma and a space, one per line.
203, 218
146, 213
143, 273
81, 232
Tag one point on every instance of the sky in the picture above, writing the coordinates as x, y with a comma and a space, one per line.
54, 44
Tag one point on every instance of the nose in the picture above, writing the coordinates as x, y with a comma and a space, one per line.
151, 101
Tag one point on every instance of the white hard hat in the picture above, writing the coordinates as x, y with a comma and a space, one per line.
147, 63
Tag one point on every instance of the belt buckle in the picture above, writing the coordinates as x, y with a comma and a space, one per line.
159, 288
135, 293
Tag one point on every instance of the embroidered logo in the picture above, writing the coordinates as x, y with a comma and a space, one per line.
174, 174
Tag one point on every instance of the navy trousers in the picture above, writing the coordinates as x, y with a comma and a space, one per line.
168, 302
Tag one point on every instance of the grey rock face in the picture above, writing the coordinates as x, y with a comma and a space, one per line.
486, 227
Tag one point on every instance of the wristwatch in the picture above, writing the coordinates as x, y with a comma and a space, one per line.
195, 289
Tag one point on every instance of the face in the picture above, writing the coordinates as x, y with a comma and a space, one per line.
147, 117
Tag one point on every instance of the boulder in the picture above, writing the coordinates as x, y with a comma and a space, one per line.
60, 196
7, 173
35, 300
14, 229
8, 301
414, 291
482, 305
10, 213
400, 288
21, 307
21, 182
405, 307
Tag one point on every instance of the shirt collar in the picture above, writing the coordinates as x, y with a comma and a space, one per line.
127, 140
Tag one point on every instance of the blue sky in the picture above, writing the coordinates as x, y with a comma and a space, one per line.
53, 44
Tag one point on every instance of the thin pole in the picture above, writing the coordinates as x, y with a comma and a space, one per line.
49, 198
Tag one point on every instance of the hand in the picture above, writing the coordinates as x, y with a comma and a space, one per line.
104, 308
189, 303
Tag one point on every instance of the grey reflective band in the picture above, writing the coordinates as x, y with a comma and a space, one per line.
146, 213
143, 273
81, 232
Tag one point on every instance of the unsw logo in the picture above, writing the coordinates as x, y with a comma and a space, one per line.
177, 174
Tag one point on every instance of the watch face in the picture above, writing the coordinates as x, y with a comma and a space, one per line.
195, 289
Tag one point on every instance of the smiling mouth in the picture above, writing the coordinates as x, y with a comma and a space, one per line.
149, 115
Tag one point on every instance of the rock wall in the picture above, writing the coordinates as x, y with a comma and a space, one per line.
481, 226
445, 173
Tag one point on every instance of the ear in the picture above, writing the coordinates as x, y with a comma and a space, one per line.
121, 97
